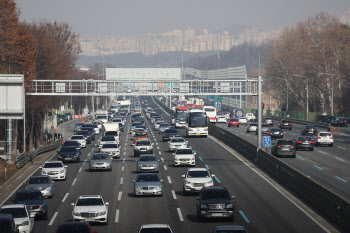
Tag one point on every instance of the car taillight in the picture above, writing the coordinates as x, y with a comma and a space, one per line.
290, 123
299, 142
311, 142
270, 133
318, 137
249, 127
282, 134
292, 146
278, 146
331, 137
281, 123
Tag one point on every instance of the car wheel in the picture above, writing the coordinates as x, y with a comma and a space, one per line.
312, 149
331, 145
290, 129
228, 125
45, 217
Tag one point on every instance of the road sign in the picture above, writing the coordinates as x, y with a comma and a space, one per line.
218, 97
210, 97
217, 105
267, 141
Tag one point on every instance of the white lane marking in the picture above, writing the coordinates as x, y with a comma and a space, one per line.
53, 219
174, 195
341, 140
117, 216
120, 195
162, 159
323, 152
157, 143
157, 147
80, 169
65, 197
169, 180
340, 159
160, 152
124, 160
122, 168
180, 214
341, 147
75, 180
165, 168
269, 182
121, 180
89, 154
85, 160
155, 139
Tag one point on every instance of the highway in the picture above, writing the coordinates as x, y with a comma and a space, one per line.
328, 166
261, 204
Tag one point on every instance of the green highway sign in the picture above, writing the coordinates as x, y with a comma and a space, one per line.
218, 97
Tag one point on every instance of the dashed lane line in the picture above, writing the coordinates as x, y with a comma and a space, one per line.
122, 168
180, 214
117, 216
121, 180
200, 158
320, 168
341, 179
340, 159
120, 195
157, 147
65, 197
162, 159
53, 218
124, 160
75, 180
174, 195
341, 147
244, 217
80, 169
165, 168
300, 158
169, 180
217, 179
159, 152
207, 167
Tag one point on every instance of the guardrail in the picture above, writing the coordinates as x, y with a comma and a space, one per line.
328, 203
23, 158
301, 122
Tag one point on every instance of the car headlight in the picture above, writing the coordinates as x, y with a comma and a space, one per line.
62, 171
230, 206
102, 213
203, 206
158, 187
187, 182
138, 187
47, 189
25, 223
59, 156
190, 129
209, 183
44, 172
140, 165
76, 213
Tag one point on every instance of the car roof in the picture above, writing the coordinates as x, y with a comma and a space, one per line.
145, 155
89, 196
29, 191
13, 206
142, 140
230, 227
198, 169
215, 188
155, 226
74, 223
55, 161
44, 176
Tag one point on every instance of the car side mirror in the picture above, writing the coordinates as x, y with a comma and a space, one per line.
133, 144
161, 180
32, 215
174, 154
107, 203
197, 198
212, 175
41, 167
183, 176
133, 181
194, 153
99, 140
233, 198
72, 204
65, 166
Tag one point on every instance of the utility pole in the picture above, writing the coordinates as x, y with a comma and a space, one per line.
259, 112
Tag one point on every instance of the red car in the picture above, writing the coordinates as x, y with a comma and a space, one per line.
233, 122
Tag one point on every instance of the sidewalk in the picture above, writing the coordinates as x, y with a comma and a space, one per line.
15, 181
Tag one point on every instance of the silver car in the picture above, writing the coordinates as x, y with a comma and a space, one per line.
42, 183
100, 161
147, 163
111, 149
252, 127
157, 124
177, 142
163, 127
148, 184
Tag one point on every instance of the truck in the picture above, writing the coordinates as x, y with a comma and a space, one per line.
125, 104
112, 129
102, 115
249, 116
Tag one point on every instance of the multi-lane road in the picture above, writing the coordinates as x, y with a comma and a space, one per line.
328, 166
262, 205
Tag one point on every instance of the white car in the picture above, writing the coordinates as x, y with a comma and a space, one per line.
107, 140
185, 156
324, 138
252, 127
250, 116
196, 179
24, 220
155, 228
177, 142
111, 149
90, 208
221, 119
157, 125
55, 169
80, 139
243, 120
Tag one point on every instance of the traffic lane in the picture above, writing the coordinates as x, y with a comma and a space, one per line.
67, 128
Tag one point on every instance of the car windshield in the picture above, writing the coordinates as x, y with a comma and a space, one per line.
181, 115
195, 174
177, 140
231, 231
79, 124
68, 149
147, 178
209, 109
139, 134
101, 117
143, 143
15, 212
136, 124
39, 180
74, 228
275, 130
171, 131
215, 194
325, 134
304, 139
310, 127
147, 158
77, 137
71, 143
285, 143
100, 156
49, 165
111, 133
183, 151
155, 230
29, 196
163, 125
89, 201
110, 145
107, 139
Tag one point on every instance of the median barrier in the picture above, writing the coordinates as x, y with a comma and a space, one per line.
324, 200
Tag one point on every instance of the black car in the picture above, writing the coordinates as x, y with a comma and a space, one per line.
91, 132
276, 133
321, 118
283, 147
68, 116
305, 142
68, 154
35, 201
215, 202
230, 229
86, 135
285, 124
339, 122
7, 224
309, 129
61, 118
121, 127
73, 143
328, 119
169, 133
74, 227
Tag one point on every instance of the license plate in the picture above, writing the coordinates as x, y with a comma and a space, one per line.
217, 214
68, 158
285, 149
285, 123
305, 142
183, 125
198, 134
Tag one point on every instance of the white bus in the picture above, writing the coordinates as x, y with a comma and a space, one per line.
211, 113
197, 123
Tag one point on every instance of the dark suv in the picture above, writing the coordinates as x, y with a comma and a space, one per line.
285, 124
7, 224
283, 147
215, 202
309, 129
34, 200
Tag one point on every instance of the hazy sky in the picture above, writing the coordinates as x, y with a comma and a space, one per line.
130, 17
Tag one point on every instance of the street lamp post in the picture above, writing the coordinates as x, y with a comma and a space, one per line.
307, 94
